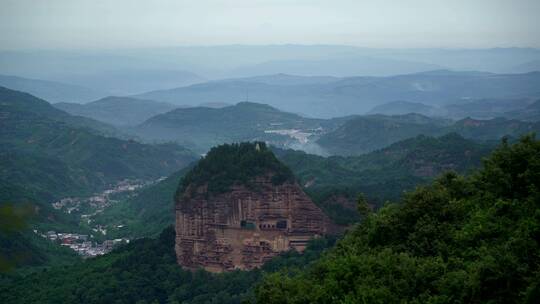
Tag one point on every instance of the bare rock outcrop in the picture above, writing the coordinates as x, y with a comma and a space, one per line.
244, 227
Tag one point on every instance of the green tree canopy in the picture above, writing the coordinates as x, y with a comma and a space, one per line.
461, 239
231, 164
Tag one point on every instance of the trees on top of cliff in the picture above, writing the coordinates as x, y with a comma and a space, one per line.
236, 164
472, 239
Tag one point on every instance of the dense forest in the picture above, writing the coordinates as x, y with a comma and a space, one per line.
333, 183
459, 239
384, 175
52, 154
230, 164
473, 239
153, 204
47, 154
144, 271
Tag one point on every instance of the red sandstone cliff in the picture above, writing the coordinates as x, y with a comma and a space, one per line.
244, 227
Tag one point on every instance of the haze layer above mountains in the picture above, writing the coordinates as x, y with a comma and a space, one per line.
134, 71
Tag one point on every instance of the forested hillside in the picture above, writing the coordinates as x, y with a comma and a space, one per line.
153, 204
460, 239
201, 128
43, 150
236, 164
472, 239
118, 111
20, 248
144, 271
21, 102
47, 154
333, 183
364, 134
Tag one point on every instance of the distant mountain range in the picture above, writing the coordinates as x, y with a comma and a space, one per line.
118, 111
485, 108
343, 66
324, 97
459, 94
529, 66
364, 134
529, 113
84, 76
201, 127
51, 90
133, 81
405, 107
368, 133
227, 61
525, 109
383, 174
287, 79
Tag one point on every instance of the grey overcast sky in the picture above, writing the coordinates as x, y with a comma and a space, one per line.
96, 24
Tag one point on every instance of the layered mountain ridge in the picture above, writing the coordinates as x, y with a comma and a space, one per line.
47, 154
119, 111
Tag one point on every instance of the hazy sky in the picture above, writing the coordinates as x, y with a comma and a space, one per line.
376, 23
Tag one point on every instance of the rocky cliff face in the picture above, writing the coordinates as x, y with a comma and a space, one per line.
245, 226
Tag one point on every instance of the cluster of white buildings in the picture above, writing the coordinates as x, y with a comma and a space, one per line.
302, 136
101, 200
82, 244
